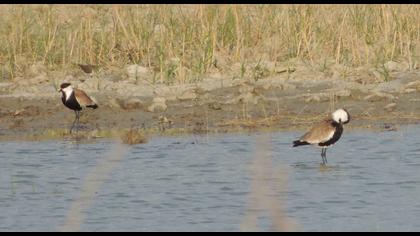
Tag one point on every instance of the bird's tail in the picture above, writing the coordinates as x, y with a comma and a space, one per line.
94, 106
299, 143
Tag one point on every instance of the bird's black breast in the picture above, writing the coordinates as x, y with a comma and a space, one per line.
335, 137
71, 102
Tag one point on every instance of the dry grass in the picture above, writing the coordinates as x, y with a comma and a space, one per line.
181, 43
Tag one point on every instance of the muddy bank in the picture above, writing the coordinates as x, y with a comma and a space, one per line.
214, 105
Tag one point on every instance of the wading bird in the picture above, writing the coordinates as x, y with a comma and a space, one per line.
325, 133
75, 99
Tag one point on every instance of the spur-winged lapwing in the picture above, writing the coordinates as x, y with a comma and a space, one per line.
75, 99
325, 133
88, 69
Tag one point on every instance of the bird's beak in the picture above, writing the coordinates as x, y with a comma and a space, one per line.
60, 90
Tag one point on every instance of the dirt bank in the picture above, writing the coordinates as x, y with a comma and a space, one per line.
213, 105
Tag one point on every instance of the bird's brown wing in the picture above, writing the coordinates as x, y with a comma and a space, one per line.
321, 132
82, 98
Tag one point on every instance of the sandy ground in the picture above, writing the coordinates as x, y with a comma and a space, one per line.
240, 107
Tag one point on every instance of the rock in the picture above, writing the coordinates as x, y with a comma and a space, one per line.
158, 105
317, 97
283, 69
36, 70
390, 107
410, 90
46, 89
323, 97
390, 127
396, 66
164, 123
266, 65
343, 93
126, 89
413, 86
396, 85
246, 89
209, 84
113, 103
288, 86
39, 79
19, 112
115, 75
135, 71
369, 97
248, 98
187, 95
378, 96
313, 98
91, 84
379, 76
132, 103
69, 78
164, 119
214, 106
265, 86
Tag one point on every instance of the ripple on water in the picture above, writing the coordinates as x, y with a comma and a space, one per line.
208, 185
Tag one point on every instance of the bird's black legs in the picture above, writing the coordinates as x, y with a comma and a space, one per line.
324, 156
76, 120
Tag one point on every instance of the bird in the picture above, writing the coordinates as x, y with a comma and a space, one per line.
325, 133
87, 68
75, 99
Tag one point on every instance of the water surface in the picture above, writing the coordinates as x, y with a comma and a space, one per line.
205, 183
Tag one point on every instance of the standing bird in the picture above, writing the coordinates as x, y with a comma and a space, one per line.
87, 68
76, 100
325, 133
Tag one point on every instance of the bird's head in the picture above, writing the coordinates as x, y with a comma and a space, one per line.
341, 116
64, 86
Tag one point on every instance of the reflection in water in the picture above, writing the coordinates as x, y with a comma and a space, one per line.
267, 183
91, 186
326, 168
216, 183
311, 166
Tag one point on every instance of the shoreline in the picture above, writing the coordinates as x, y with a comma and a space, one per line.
34, 111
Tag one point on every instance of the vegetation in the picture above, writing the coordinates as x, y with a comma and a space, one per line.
181, 43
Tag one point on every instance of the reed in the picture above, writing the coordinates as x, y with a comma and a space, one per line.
182, 43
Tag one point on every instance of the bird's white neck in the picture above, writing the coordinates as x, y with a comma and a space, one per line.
67, 91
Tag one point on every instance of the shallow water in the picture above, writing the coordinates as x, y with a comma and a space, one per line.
213, 183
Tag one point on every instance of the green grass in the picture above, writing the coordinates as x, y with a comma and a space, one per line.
204, 38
